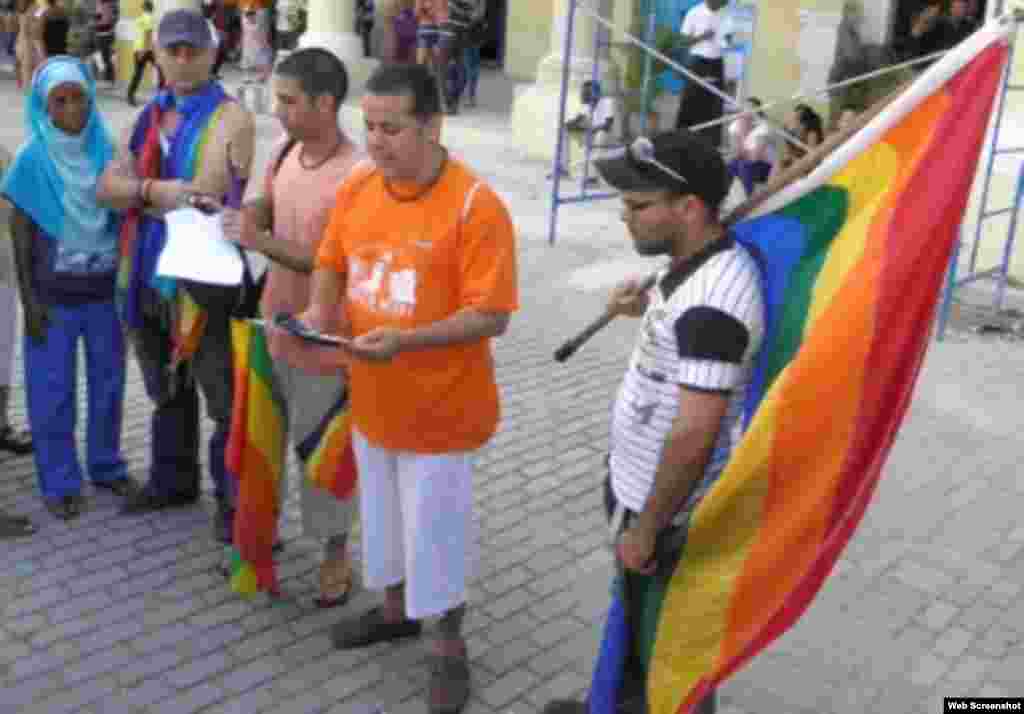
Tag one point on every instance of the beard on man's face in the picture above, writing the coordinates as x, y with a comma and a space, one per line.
653, 246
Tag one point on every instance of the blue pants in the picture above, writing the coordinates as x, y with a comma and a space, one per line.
750, 173
471, 61
51, 373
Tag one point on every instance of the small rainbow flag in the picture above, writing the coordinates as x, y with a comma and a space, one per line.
327, 453
853, 259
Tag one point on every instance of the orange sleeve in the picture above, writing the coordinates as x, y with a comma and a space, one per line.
488, 256
331, 253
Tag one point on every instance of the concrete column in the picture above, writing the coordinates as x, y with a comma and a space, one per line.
535, 110
331, 24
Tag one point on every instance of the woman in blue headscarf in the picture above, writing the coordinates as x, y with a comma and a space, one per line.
66, 255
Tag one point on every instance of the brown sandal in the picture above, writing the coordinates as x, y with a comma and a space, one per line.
335, 582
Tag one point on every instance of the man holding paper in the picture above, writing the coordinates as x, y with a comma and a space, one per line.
418, 264
190, 140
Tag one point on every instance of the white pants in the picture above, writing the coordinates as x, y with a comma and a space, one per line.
417, 524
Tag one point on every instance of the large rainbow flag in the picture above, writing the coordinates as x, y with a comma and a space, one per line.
853, 257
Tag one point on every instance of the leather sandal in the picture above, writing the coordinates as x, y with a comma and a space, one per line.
335, 583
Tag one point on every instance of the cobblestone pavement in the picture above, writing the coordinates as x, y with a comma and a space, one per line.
112, 615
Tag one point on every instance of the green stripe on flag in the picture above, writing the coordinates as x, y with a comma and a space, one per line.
822, 213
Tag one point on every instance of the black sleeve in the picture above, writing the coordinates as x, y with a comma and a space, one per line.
707, 333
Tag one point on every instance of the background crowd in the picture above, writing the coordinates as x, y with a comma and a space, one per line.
445, 35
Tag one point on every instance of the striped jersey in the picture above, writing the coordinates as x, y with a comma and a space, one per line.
703, 326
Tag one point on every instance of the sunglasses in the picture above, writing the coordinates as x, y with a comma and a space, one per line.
641, 151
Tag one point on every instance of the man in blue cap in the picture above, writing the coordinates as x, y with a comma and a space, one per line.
190, 139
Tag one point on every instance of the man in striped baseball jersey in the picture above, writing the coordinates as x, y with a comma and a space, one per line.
678, 412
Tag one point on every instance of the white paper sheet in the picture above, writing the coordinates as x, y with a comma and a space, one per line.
196, 249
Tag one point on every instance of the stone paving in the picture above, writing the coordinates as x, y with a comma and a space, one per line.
112, 615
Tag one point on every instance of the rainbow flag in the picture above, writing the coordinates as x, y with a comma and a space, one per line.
256, 457
327, 453
853, 259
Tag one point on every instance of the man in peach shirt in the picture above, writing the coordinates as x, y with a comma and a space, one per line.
286, 224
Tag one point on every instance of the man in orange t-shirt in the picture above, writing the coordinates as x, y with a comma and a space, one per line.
418, 265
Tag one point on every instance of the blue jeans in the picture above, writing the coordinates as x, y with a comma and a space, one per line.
471, 61
51, 373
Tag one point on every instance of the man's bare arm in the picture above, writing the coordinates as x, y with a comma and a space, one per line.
467, 325
258, 221
120, 187
327, 302
684, 456
234, 141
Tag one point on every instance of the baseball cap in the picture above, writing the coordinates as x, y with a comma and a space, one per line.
184, 27
673, 160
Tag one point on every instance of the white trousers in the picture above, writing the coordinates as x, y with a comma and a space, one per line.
417, 525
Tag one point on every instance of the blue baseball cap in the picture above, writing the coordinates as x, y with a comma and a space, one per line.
184, 27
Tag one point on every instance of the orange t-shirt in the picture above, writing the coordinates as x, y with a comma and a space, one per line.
408, 264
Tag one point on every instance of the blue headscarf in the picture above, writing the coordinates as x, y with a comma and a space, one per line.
53, 177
